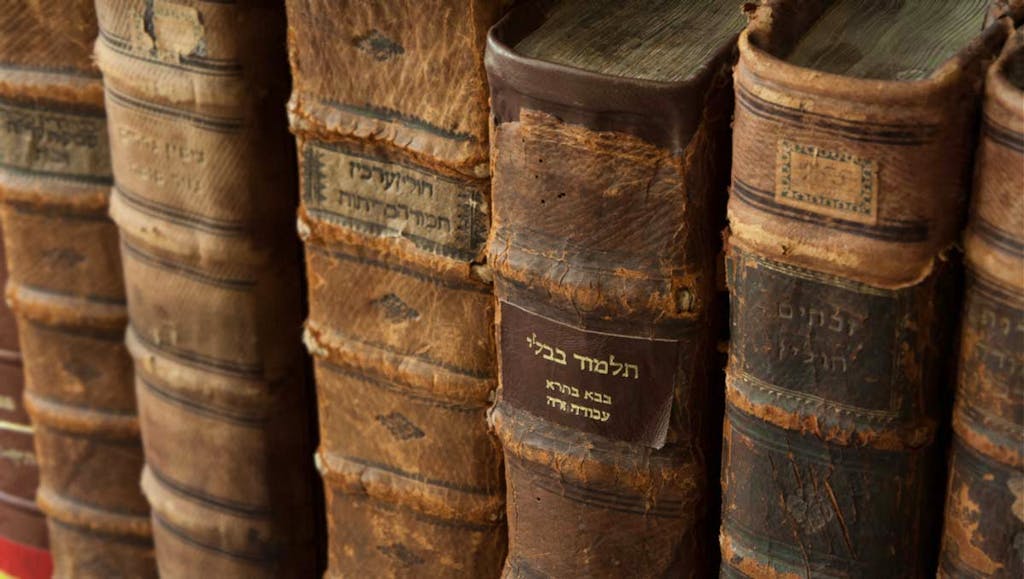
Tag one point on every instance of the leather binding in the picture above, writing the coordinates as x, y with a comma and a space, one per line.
24, 548
389, 109
984, 515
1000, 8
204, 196
66, 291
841, 306
603, 249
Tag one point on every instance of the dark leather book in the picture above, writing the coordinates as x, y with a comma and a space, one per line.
609, 154
389, 108
204, 196
852, 153
24, 551
66, 291
984, 531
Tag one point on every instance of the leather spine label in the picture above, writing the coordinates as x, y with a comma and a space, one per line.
827, 182
615, 386
815, 340
992, 359
164, 159
50, 142
385, 199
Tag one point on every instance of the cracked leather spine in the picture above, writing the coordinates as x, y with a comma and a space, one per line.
841, 315
204, 198
603, 249
66, 291
389, 109
983, 535
24, 550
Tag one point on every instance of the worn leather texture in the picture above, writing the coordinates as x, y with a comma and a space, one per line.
23, 537
847, 196
204, 196
984, 531
446, 126
603, 247
389, 109
65, 289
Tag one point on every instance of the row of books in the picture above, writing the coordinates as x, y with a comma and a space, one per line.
591, 288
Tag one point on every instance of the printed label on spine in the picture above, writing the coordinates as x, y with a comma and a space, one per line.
615, 386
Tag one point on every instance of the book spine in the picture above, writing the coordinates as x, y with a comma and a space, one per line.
603, 248
204, 196
984, 515
394, 215
66, 291
846, 196
24, 548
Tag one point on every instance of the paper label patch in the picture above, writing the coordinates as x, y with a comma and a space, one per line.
385, 199
827, 182
57, 143
615, 386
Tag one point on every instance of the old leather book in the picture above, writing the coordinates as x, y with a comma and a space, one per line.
66, 291
23, 539
984, 526
389, 108
609, 152
852, 153
204, 195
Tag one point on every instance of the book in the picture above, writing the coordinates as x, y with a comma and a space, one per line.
389, 110
609, 152
984, 516
67, 294
852, 152
204, 197
24, 550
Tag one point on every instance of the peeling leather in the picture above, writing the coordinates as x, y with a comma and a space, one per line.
446, 127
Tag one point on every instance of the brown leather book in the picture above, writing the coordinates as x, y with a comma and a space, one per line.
984, 531
66, 291
204, 196
609, 152
24, 551
852, 153
389, 109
